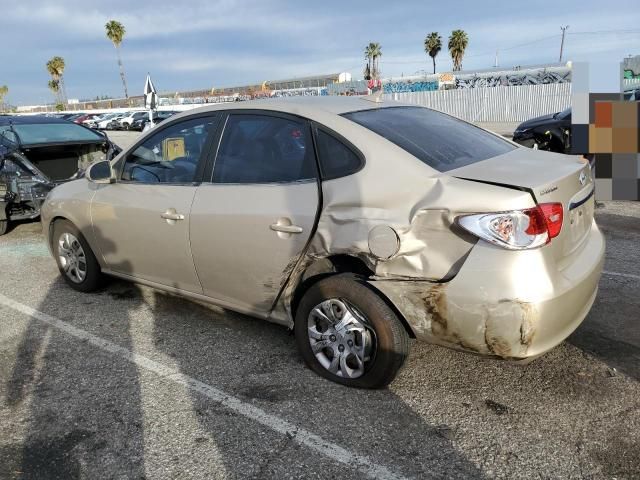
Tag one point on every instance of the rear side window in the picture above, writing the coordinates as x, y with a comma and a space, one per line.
264, 149
336, 159
440, 141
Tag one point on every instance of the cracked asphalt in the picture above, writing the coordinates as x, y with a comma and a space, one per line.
133, 383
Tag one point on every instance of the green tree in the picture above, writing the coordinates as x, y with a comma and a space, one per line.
458, 42
432, 46
54, 86
372, 53
367, 71
56, 67
369, 58
115, 33
4, 90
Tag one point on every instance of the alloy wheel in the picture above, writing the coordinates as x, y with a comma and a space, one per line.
72, 257
341, 338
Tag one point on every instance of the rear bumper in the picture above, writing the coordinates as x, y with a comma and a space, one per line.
514, 305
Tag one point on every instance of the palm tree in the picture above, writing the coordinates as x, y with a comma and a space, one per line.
376, 53
54, 86
432, 46
458, 42
367, 72
372, 53
3, 93
115, 33
56, 67
368, 57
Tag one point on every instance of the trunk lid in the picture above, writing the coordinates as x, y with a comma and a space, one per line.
550, 177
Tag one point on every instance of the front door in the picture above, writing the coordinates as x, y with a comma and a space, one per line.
251, 221
141, 222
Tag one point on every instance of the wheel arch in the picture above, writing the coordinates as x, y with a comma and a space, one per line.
342, 264
86, 232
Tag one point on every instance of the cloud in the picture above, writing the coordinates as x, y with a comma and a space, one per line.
199, 43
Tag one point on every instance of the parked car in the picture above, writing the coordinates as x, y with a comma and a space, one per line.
548, 132
126, 121
82, 118
104, 121
358, 224
36, 154
140, 124
71, 116
114, 123
93, 122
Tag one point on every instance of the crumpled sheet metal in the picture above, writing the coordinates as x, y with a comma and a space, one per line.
422, 213
504, 328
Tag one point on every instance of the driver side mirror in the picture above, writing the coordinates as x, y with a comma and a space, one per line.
100, 172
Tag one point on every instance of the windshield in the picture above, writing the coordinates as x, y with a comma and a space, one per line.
43, 133
441, 141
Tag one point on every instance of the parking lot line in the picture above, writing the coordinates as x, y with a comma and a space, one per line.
299, 435
625, 275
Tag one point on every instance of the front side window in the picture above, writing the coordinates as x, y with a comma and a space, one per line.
264, 149
171, 155
441, 141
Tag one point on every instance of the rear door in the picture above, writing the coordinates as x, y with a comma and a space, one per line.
253, 217
141, 222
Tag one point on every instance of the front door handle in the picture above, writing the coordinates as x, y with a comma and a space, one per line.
280, 227
171, 214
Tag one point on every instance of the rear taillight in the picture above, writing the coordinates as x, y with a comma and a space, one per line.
517, 229
553, 214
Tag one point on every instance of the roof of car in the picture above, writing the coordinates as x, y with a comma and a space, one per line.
305, 105
29, 119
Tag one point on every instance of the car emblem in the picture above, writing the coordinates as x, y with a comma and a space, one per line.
582, 178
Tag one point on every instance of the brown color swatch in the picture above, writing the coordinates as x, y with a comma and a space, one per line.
604, 112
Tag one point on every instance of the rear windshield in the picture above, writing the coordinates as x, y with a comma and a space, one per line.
440, 141
42, 133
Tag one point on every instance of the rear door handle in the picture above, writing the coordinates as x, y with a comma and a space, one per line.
276, 227
171, 214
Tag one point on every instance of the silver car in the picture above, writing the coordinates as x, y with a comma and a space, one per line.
360, 225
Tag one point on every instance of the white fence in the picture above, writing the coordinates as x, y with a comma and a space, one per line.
493, 104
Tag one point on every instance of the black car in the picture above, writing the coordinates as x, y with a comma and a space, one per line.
158, 117
36, 154
548, 132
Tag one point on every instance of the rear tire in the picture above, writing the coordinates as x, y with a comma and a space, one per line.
76, 261
367, 352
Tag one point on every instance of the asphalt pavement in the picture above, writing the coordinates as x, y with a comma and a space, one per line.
130, 382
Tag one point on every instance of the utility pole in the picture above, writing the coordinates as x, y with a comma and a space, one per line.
564, 29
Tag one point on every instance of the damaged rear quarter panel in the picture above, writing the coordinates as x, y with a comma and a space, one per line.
395, 189
504, 328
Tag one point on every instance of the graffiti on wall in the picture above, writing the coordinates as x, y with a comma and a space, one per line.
299, 92
514, 78
410, 86
631, 68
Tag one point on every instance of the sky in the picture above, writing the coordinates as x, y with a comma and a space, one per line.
204, 44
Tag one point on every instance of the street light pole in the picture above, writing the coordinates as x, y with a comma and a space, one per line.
564, 29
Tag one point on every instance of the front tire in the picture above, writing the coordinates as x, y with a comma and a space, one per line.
76, 261
348, 334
